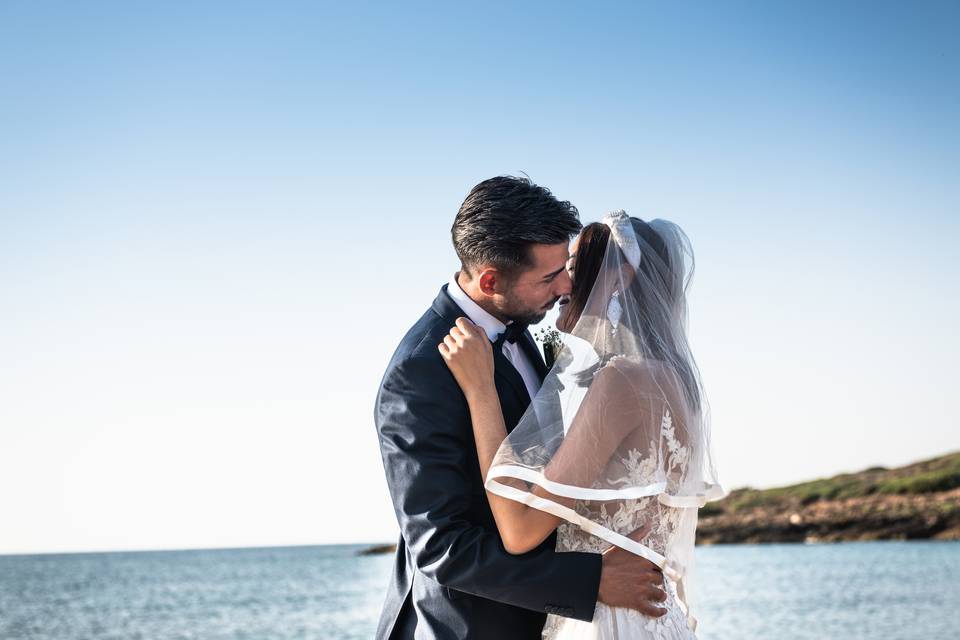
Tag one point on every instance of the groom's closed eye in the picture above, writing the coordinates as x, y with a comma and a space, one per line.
551, 276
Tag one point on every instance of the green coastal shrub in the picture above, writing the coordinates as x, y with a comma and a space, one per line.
940, 474
943, 480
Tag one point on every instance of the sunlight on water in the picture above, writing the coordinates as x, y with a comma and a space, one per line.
267, 593
851, 591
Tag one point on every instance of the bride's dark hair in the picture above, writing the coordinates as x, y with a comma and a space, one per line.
587, 264
657, 316
589, 260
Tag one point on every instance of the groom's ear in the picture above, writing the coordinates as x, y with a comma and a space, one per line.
488, 282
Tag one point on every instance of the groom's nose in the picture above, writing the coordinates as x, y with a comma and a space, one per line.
564, 285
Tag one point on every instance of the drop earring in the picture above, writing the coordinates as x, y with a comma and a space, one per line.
614, 311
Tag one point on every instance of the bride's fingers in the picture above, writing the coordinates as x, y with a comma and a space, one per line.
450, 342
464, 334
467, 327
444, 350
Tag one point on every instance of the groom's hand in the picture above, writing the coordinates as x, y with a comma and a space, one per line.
627, 580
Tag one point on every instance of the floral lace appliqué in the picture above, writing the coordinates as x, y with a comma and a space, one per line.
625, 517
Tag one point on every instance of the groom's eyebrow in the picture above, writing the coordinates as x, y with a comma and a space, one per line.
551, 276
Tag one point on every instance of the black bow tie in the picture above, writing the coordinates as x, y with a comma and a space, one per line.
512, 333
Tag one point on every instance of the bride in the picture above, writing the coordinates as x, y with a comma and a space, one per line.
614, 450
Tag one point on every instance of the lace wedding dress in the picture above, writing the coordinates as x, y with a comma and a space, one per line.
670, 534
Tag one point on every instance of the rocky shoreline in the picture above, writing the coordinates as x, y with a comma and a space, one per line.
916, 502
378, 549
935, 516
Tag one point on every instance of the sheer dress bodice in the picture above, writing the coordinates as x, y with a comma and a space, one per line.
666, 530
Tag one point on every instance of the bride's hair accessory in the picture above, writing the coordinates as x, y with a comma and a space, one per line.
621, 227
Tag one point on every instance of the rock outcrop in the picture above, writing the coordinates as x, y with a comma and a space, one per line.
918, 501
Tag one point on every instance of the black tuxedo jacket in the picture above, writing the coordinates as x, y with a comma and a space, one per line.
452, 578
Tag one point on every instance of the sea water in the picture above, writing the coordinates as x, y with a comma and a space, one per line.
850, 591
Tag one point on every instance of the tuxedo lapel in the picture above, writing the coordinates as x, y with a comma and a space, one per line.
529, 347
509, 374
446, 308
506, 373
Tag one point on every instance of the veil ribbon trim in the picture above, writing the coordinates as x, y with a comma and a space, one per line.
568, 514
711, 492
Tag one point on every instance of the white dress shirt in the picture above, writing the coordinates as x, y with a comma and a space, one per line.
493, 328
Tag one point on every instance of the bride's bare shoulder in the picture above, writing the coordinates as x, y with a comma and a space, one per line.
643, 375
639, 368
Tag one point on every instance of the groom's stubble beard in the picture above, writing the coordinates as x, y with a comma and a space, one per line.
517, 310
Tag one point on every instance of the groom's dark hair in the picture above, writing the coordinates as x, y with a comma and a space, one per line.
500, 219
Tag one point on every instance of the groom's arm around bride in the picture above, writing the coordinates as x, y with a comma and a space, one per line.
453, 575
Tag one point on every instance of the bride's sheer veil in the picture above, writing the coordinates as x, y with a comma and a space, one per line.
622, 416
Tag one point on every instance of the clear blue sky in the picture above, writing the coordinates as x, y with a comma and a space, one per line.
217, 221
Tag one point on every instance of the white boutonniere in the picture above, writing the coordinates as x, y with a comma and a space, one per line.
552, 341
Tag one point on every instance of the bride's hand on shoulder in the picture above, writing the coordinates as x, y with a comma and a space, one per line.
469, 356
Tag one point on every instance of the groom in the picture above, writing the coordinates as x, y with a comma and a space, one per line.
452, 578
